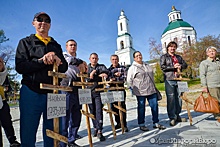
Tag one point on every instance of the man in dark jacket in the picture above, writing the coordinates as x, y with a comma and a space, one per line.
171, 64
35, 56
96, 72
117, 72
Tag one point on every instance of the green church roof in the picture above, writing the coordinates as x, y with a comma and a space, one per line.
176, 24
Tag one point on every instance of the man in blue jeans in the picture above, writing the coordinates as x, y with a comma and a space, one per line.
35, 56
170, 64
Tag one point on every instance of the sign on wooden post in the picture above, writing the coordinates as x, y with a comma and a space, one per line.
183, 87
85, 99
50, 99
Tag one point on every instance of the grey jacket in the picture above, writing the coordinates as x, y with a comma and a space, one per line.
210, 73
140, 78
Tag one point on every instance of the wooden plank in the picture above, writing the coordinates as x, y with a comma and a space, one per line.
181, 79
109, 111
54, 87
119, 108
56, 136
83, 83
110, 88
111, 82
56, 74
88, 114
82, 75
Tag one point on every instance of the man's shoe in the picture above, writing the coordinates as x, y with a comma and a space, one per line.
95, 133
161, 127
101, 137
15, 144
78, 136
73, 144
172, 122
126, 129
118, 126
143, 128
179, 119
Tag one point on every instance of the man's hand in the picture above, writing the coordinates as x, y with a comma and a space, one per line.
177, 65
91, 75
103, 75
205, 89
51, 58
118, 74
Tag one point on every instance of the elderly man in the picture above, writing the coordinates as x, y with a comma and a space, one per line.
35, 56
209, 70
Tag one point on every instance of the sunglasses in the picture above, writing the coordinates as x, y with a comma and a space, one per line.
39, 19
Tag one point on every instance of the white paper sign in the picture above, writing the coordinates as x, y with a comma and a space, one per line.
56, 105
85, 96
118, 96
182, 86
107, 97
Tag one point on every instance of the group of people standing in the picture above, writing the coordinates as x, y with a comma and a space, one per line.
36, 55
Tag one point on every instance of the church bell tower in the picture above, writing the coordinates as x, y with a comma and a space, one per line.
125, 48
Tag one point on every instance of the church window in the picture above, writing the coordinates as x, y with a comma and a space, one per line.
189, 41
130, 43
165, 44
177, 16
173, 16
122, 44
175, 40
121, 26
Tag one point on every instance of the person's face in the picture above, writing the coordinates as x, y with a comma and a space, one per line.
138, 57
171, 49
211, 53
40, 25
1, 65
114, 60
71, 48
93, 59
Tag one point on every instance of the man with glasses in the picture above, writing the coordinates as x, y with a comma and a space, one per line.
35, 56
209, 71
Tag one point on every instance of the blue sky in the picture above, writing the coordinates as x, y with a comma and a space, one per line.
93, 23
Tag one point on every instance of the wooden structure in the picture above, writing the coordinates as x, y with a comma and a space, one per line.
55, 87
109, 111
184, 97
85, 112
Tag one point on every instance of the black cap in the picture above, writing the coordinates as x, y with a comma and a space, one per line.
41, 13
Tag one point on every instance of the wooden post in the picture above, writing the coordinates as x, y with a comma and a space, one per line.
86, 112
187, 101
55, 133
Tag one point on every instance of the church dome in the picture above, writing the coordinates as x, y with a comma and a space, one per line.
176, 24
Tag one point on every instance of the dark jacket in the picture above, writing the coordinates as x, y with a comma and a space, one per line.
113, 70
100, 68
33, 71
166, 65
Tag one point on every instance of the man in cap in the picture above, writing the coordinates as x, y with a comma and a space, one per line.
35, 56
209, 70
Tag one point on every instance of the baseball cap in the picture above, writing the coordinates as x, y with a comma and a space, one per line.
41, 13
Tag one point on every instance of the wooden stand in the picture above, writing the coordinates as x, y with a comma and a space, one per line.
55, 134
85, 112
183, 96
109, 111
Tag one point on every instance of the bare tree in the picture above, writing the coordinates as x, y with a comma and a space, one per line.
155, 49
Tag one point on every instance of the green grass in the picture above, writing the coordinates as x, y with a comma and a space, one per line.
160, 86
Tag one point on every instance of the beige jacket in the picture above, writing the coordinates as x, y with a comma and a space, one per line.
138, 79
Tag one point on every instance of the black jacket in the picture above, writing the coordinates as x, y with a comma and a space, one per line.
100, 68
33, 71
166, 65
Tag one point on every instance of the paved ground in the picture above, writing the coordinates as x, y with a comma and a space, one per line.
205, 131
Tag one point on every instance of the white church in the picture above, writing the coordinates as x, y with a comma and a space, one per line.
179, 31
